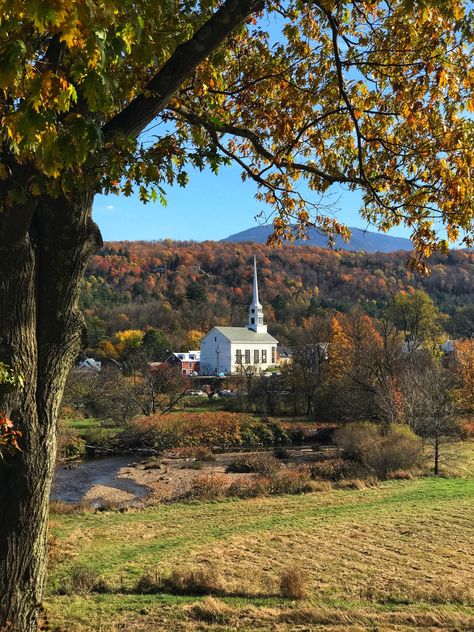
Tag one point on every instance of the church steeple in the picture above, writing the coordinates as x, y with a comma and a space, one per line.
256, 311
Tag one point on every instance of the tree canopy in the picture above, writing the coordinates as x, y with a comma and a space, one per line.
305, 95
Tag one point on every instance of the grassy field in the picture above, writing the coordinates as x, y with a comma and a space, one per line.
398, 556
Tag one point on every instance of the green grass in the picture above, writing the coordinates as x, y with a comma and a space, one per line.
90, 428
398, 556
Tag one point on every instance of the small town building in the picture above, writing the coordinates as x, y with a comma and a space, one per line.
284, 355
188, 362
229, 350
89, 364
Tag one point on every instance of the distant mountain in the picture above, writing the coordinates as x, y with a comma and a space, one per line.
360, 240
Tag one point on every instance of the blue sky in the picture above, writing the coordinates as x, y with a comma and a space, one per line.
210, 207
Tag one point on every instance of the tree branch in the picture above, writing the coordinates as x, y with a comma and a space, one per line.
146, 106
235, 130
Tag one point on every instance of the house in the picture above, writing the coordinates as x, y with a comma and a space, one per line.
229, 350
284, 355
89, 364
188, 362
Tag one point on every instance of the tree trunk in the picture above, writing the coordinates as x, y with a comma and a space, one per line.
41, 266
436, 456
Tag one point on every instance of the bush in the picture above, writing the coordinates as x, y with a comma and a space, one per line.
258, 463
208, 487
291, 482
398, 449
198, 582
353, 438
296, 435
199, 452
293, 584
330, 469
216, 428
70, 445
249, 487
153, 463
193, 465
400, 475
81, 581
96, 436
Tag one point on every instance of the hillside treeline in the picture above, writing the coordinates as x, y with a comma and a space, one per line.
183, 287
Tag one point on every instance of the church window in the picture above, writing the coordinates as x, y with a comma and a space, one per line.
247, 356
238, 356
253, 311
252, 320
256, 356
274, 355
264, 356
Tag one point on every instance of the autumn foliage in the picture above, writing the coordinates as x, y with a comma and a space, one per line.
296, 283
195, 429
9, 437
464, 355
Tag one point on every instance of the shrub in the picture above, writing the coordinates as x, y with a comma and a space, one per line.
291, 482
208, 487
198, 582
154, 463
216, 428
401, 475
398, 449
193, 465
296, 435
258, 463
281, 453
96, 436
354, 438
70, 445
81, 581
293, 584
330, 469
198, 452
249, 487
148, 585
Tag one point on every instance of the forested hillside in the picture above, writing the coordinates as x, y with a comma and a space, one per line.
183, 287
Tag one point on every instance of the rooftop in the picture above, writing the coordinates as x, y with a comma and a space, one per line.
242, 334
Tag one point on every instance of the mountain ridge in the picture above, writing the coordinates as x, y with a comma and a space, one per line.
361, 240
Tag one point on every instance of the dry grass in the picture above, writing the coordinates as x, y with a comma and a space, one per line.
183, 582
398, 556
293, 583
211, 610
60, 508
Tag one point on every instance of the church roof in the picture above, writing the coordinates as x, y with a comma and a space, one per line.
242, 334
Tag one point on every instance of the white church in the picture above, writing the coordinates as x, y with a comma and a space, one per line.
226, 350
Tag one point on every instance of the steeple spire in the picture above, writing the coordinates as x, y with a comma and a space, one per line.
256, 311
255, 282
